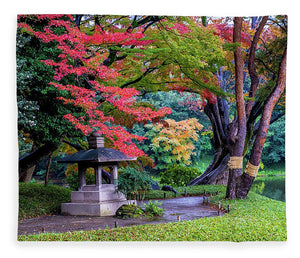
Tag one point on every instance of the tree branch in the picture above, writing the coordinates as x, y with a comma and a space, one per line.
76, 146
251, 67
267, 113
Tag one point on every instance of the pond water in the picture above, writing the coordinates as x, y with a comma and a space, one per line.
271, 186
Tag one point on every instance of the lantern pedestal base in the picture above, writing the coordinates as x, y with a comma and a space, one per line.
93, 209
93, 200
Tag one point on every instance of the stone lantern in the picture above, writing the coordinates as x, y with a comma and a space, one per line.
97, 199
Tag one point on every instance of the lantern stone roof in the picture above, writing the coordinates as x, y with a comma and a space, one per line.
99, 155
96, 153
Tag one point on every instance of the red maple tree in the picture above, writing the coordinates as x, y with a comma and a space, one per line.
83, 54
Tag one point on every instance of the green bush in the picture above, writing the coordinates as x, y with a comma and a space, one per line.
134, 183
152, 208
36, 199
177, 175
129, 211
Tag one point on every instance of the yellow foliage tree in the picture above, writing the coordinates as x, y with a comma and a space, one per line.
173, 141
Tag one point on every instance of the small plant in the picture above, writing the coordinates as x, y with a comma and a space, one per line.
152, 208
177, 175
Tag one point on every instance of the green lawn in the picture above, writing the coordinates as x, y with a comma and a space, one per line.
257, 218
36, 199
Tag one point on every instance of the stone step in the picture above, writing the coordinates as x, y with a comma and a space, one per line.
96, 196
103, 187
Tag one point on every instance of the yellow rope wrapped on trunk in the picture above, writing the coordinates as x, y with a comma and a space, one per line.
251, 170
235, 162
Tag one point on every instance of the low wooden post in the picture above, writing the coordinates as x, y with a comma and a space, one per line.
219, 208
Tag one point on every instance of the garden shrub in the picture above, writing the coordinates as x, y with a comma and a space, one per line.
36, 199
133, 183
177, 175
152, 208
129, 211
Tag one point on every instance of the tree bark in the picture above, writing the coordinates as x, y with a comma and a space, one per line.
48, 170
251, 66
247, 180
217, 170
26, 177
32, 159
237, 147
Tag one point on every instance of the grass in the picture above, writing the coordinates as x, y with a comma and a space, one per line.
36, 199
256, 218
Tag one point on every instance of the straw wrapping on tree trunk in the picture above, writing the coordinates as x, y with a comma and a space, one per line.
251, 170
235, 162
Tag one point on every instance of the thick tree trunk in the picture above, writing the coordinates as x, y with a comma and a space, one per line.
216, 171
32, 159
218, 114
235, 138
27, 175
247, 180
238, 145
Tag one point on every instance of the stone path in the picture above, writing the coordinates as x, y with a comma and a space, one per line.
184, 208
